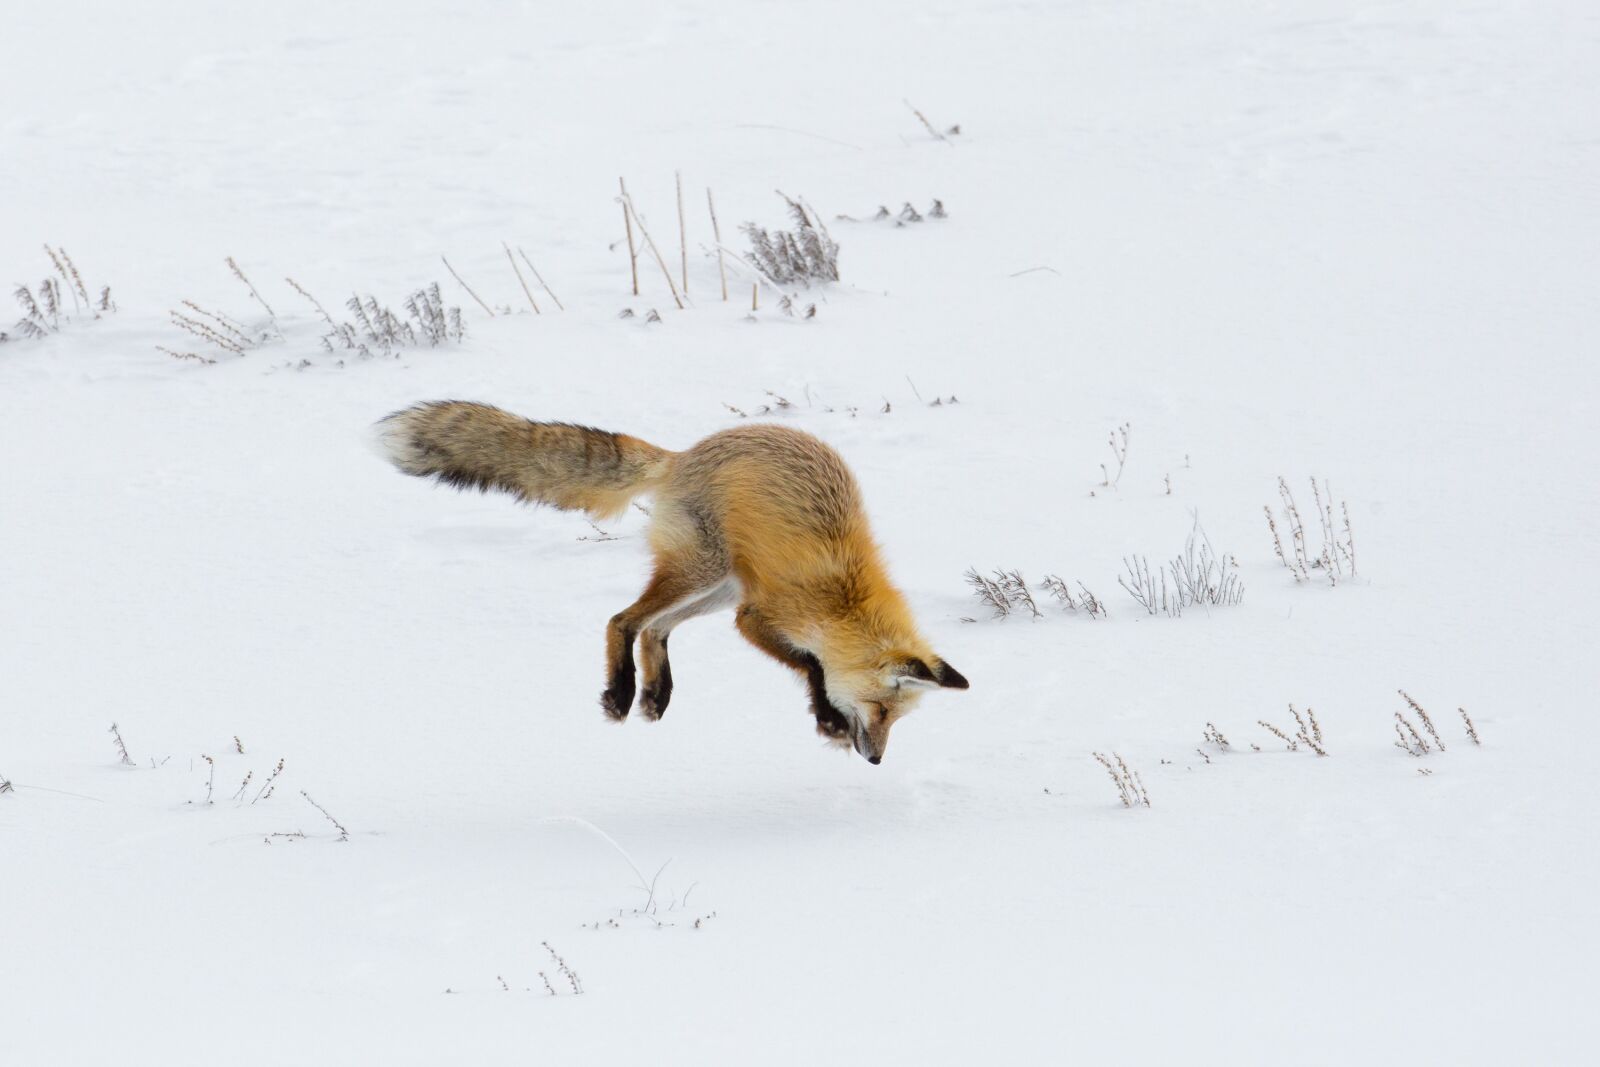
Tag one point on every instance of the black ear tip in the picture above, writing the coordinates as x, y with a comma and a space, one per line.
950, 678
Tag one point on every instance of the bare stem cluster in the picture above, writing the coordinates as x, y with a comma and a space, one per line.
1130, 788
1008, 591
1336, 558
1199, 577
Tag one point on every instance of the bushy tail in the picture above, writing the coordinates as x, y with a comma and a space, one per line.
475, 446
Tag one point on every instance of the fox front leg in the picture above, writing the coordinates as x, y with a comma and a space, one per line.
831, 722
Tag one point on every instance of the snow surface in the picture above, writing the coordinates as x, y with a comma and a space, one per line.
1357, 240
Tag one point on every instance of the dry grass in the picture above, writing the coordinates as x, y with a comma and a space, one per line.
1008, 591
470, 292
1129, 786
1118, 442
932, 132
1084, 601
806, 254
566, 972
1335, 558
633, 214
122, 749
267, 787
1199, 577
1409, 741
1308, 732
1288, 741
237, 273
377, 330
1414, 742
1422, 713
907, 214
344, 835
44, 306
214, 328
191, 356
1214, 736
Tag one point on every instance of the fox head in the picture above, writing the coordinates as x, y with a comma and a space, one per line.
872, 695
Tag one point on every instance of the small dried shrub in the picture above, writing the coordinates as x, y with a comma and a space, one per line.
344, 835
1008, 591
801, 256
1130, 788
1199, 577
1335, 559
122, 749
45, 312
376, 329
1085, 601
1118, 441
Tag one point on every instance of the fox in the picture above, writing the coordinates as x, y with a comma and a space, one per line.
764, 519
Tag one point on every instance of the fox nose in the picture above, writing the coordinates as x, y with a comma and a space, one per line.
874, 760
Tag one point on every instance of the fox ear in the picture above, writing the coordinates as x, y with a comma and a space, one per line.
948, 677
917, 672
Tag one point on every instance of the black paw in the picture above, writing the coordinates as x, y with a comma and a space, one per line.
653, 700
831, 724
617, 699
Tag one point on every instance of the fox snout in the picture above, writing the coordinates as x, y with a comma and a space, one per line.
869, 746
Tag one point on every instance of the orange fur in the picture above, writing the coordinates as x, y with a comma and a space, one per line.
763, 517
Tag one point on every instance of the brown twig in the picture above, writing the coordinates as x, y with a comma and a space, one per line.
627, 221
926, 124
1427, 723
540, 279
314, 303
520, 279
683, 236
122, 749
240, 275
716, 235
468, 288
662, 263
344, 835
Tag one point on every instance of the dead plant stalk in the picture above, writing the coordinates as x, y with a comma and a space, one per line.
660, 262
716, 236
487, 309
520, 280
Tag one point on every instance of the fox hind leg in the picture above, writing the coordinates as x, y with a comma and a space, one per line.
672, 591
657, 669
664, 590
653, 661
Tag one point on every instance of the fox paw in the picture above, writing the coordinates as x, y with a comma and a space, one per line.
657, 691
616, 701
833, 728
653, 704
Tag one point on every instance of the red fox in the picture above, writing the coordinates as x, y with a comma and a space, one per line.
765, 519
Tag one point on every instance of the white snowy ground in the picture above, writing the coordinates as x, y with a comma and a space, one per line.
1357, 240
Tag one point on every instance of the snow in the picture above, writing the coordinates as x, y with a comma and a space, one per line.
1351, 240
